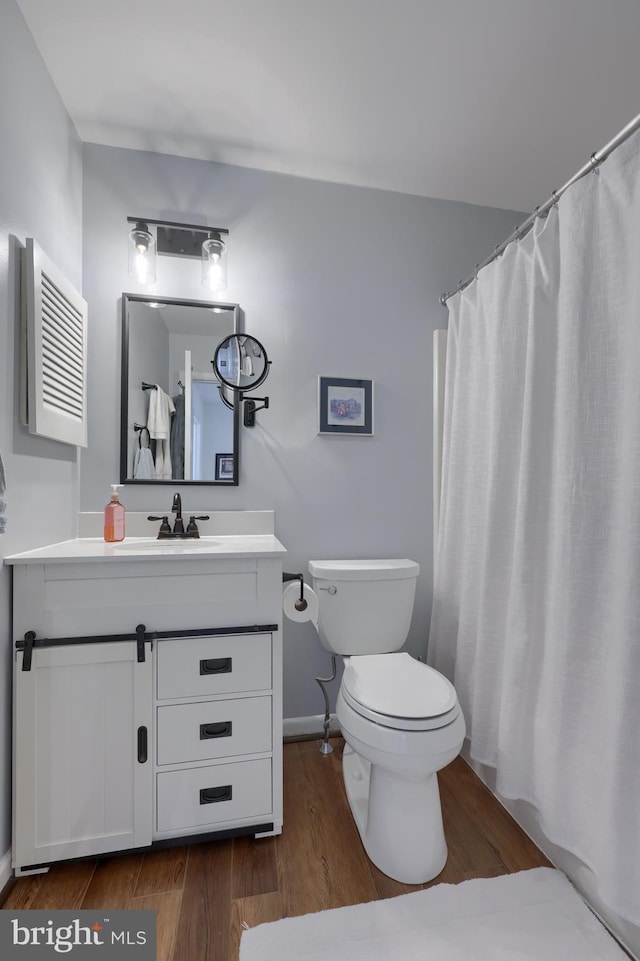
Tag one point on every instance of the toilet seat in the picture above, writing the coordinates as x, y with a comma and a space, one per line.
396, 691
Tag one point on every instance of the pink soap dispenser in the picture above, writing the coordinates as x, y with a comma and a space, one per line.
114, 517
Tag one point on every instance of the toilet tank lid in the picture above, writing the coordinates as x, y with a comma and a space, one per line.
365, 570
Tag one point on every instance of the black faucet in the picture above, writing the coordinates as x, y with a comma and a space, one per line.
176, 508
165, 531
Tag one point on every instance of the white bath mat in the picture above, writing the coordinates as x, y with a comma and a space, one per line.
530, 916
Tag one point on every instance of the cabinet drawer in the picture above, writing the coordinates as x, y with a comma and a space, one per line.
213, 729
208, 795
203, 666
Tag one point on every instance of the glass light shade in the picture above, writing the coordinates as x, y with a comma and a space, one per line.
214, 264
142, 255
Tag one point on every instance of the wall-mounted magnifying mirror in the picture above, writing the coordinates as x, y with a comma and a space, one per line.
241, 364
171, 401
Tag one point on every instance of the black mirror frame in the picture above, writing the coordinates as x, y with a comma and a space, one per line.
126, 299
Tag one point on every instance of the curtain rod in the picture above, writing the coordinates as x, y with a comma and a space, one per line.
595, 161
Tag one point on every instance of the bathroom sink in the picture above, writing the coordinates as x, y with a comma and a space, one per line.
147, 545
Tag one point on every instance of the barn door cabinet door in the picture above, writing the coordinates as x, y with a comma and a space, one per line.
82, 760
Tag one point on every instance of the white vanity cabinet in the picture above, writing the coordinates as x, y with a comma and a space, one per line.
151, 708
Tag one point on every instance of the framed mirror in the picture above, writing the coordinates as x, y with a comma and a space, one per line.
175, 426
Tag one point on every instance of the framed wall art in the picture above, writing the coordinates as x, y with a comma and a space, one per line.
224, 466
345, 406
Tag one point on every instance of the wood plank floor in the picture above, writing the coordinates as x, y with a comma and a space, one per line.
204, 893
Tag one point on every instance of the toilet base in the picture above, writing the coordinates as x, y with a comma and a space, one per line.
399, 819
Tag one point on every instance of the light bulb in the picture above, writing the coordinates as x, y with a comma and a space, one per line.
141, 264
214, 266
142, 255
215, 274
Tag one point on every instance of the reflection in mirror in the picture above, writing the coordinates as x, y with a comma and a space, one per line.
175, 426
240, 362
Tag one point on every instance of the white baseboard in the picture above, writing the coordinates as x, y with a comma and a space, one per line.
5, 869
311, 726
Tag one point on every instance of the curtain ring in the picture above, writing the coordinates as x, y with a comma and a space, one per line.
554, 194
595, 163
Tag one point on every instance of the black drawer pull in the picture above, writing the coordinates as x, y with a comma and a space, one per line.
142, 745
219, 729
216, 665
211, 795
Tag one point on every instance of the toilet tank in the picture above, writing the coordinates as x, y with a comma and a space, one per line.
365, 605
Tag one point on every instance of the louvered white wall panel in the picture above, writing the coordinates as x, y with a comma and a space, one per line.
55, 318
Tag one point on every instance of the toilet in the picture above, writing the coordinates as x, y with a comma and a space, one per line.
400, 719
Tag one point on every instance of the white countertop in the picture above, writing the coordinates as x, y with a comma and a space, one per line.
150, 549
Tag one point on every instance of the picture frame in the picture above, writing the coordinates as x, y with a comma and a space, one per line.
224, 466
345, 406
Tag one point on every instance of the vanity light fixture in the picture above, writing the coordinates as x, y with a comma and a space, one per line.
177, 240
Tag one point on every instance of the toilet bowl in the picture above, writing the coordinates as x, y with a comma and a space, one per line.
400, 719
397, 742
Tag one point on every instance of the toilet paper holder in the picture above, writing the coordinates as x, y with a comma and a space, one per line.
300, 604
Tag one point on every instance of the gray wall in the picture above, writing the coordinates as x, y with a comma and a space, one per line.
40, 197
334, 280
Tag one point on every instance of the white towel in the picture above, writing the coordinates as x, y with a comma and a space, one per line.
161, 407
3, 498
246, 363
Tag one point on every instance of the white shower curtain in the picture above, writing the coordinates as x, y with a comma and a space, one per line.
536, 613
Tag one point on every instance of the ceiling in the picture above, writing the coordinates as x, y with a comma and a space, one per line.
496, 102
